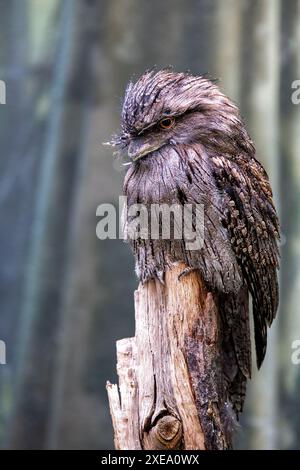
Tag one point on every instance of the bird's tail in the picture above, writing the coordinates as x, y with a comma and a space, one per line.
236, 340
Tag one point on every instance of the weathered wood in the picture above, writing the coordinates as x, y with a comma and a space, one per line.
263, 101
169, 380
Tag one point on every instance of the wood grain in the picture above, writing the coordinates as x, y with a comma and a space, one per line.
170, 385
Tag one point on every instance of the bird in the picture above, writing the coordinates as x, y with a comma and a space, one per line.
188, 144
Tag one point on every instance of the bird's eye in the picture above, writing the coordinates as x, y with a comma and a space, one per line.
166, 123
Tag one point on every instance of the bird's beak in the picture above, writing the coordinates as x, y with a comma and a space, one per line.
139, 147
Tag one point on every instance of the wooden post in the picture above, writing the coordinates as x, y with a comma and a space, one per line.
169, 394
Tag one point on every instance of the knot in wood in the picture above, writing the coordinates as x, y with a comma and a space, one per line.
167, 433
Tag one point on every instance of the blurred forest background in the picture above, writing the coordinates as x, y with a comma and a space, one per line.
66, 296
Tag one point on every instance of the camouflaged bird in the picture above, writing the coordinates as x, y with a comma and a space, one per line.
188, 145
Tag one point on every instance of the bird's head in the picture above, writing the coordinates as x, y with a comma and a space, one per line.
167, 108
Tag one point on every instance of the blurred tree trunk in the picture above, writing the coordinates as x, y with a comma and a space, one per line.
263, 117
81, 411
290, 219
228, 39
39, 325
14, 72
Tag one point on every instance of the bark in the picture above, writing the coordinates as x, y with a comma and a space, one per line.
170, 387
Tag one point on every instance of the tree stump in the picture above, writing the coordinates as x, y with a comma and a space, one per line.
171, 391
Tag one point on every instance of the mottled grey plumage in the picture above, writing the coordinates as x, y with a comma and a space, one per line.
207, 157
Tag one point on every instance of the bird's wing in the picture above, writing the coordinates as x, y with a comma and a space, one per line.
251, 220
